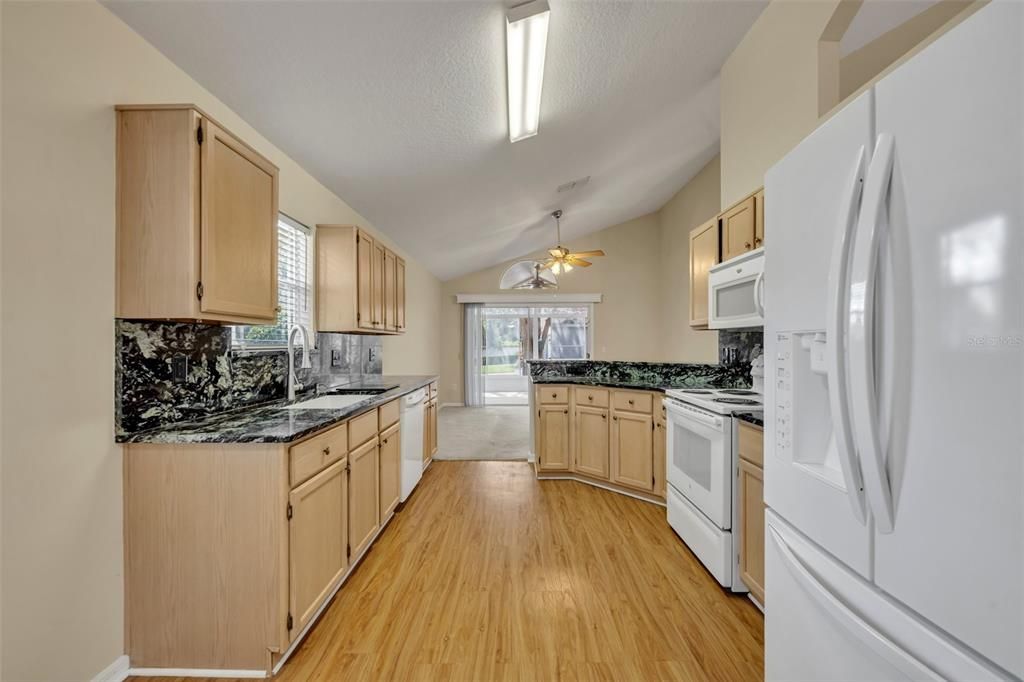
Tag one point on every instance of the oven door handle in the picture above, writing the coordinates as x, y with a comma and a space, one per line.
692, 415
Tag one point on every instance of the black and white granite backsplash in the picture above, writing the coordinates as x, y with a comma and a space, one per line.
211, 378
738, 346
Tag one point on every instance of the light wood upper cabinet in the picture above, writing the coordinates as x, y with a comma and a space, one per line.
318, 541
390, 295
703, 257
553, 437
399, 294
591, 457
363, 497
759, 219
360, 283
196, 220
738, 229
390, 471
633, 450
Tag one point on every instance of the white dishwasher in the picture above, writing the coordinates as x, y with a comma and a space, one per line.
411, 418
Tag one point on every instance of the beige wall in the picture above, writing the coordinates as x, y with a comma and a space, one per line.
770, 91
693, 205
64, 67
626, 323
644, 279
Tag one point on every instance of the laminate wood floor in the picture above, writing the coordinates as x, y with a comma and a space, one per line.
489, 574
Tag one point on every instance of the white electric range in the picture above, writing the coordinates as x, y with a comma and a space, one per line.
701, 470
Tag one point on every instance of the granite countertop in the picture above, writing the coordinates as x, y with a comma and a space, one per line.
755, 418
270, 423
661, 386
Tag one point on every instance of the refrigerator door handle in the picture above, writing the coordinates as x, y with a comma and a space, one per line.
759, 293
853, 623
863, 275
836, 347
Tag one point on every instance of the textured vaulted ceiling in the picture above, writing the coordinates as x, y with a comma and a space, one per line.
400, 108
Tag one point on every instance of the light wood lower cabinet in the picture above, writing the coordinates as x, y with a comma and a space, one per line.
633, 450
364, 496
429, 429
256, 535
660, 443
318, 541
751, 503
390, 471
591, 456
553, 437
433, 427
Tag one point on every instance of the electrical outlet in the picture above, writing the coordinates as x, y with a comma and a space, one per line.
373, 353
179, 368
335, 357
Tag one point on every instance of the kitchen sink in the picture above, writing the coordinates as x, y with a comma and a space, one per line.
355, 390
327, 402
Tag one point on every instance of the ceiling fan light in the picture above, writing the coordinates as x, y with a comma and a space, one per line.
556, 268
526, 39
566, 267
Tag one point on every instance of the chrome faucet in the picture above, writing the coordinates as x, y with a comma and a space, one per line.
293, 381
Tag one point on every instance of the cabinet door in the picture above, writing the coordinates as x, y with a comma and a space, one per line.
399, 294
660, 463
390, 471
553, 422
633, 450
703, 257
238, 235
428, 428
377, 297
317, 541
759, 219
390, 293
738, 229
364, 281
751, 498
592, 441
363, 496
433, 427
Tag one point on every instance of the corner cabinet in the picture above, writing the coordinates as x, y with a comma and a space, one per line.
196, 220
703, 256
360, 283
614, 437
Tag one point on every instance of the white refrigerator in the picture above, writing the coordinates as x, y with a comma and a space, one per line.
894, 374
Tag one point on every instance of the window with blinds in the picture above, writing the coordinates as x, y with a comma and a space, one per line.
293, 290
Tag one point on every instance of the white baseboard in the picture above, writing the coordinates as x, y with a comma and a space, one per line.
115, 672
195, 672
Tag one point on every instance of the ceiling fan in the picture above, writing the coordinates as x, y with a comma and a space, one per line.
561, 259
528, 274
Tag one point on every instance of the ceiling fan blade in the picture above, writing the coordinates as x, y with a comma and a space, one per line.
578, 262
587, 254
549, 264
522, 283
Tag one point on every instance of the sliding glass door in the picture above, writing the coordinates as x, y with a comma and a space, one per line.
511, 336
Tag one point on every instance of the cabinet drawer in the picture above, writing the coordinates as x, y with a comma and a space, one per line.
751, 443
592, 397
362, 429
553, 395
311, 456
633, 401
388, 414
433, 390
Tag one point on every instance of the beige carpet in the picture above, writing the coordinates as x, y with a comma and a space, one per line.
483, 433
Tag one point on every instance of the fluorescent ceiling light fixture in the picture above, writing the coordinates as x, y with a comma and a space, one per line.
526, 41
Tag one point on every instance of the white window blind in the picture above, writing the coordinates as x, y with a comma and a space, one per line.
293, 290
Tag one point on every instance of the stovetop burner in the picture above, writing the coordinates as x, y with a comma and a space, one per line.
737, 391
736, 401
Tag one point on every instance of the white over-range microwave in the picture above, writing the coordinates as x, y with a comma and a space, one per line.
736, 292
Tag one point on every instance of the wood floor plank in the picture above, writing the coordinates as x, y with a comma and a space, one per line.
489, 574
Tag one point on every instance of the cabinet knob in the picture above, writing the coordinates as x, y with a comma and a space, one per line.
590, 397
327, 451
565, 411
385, 441
554, 395
604, 416
757, 240
746, 245
630, 402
